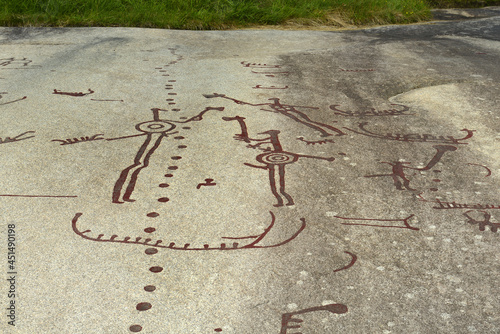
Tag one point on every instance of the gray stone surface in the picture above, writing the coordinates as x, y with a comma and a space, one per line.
357, 172
465, 13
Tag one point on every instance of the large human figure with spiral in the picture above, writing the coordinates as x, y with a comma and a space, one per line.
155, 131
274, 159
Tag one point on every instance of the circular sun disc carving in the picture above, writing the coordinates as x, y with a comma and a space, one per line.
277, 158
155, 126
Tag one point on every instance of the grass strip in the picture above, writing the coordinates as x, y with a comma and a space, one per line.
213, 14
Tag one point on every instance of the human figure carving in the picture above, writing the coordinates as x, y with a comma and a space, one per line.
289, 111
401, 181
155, 131
274, 160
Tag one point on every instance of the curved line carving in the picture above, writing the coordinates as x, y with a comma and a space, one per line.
488, 171
354, 258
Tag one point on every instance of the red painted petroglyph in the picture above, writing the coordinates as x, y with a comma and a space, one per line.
22, 136
401, 181
186, 247
79, 94
404, 221
274, 160
413, 137
288, 322
372, 111
290, 111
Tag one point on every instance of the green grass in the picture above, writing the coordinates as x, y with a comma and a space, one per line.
210, 14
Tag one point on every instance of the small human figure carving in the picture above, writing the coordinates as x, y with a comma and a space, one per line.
208, 182
401, 181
